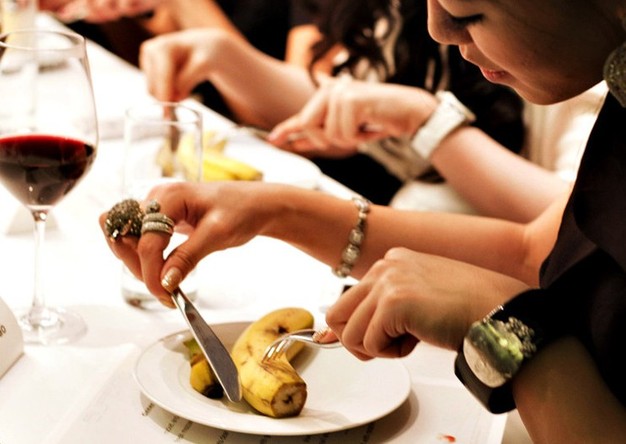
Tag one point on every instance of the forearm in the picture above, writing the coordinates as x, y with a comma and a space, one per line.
264, 90
320, 224
494, 180
561, 398
494, 244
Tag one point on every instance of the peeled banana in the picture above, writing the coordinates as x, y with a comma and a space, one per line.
215, 164
273, 387
202, 378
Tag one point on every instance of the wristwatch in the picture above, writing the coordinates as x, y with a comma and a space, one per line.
448, 116
496, 347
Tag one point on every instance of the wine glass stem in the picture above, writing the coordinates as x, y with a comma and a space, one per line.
39, 316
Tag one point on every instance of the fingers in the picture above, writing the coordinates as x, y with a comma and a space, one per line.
141, 250
162, 275
349, 325
156, 61
124, 248
307, 125
336, 116
372, 317
175, 63
100, 11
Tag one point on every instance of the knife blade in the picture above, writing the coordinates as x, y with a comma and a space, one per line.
217, 355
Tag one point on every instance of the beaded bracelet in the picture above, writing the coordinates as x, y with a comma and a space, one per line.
352, 251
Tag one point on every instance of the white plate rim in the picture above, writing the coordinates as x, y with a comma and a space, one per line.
180, 399
278, 166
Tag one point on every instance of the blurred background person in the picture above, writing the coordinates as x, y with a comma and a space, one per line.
278, 28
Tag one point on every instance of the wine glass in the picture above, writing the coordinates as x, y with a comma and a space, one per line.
48, 140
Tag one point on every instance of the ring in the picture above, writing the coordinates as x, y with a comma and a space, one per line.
153, 207
158, 217
156, 226
155, 221
125, 218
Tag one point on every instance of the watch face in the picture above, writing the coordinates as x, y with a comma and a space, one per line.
494, 351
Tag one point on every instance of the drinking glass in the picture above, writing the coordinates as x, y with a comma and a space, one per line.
163, 143
48, 140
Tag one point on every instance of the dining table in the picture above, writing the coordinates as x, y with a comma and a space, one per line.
89, 392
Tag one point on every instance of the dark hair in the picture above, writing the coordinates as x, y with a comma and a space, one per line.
351, 23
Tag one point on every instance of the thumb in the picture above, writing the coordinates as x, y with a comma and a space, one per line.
281, 133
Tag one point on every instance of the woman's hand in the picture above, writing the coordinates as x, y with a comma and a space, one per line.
175, 63
215, 216
408, 297
97, 11
343, 114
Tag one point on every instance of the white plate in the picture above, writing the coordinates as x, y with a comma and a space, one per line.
278, 166
343, 392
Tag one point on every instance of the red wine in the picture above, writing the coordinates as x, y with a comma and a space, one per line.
41, 169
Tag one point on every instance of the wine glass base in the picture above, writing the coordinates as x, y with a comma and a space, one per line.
51, 326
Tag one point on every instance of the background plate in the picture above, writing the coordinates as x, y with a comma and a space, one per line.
343, 392
278, 166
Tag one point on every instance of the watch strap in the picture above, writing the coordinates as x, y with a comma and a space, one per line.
531, 320
449, 114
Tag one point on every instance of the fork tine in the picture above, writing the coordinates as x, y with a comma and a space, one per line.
310, 336
272, 350
277, 348
269, 352
281, 348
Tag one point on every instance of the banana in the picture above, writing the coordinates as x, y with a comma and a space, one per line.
215, 164
274, 387
202, 378
237, 169
211, 142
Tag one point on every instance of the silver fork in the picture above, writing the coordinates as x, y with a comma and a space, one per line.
309, 336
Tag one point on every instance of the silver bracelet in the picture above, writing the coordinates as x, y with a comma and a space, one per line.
352, 251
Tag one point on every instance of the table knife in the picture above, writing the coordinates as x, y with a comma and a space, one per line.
217, 355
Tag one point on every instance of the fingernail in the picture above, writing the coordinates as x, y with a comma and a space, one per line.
172, 279
321, 334
168, 303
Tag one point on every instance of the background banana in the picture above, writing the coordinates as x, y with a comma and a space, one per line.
215, 164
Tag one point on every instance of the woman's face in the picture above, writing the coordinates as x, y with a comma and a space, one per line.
547, 50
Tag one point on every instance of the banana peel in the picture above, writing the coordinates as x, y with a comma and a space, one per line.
273, 388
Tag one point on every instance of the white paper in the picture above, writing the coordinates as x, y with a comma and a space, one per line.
11, 339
